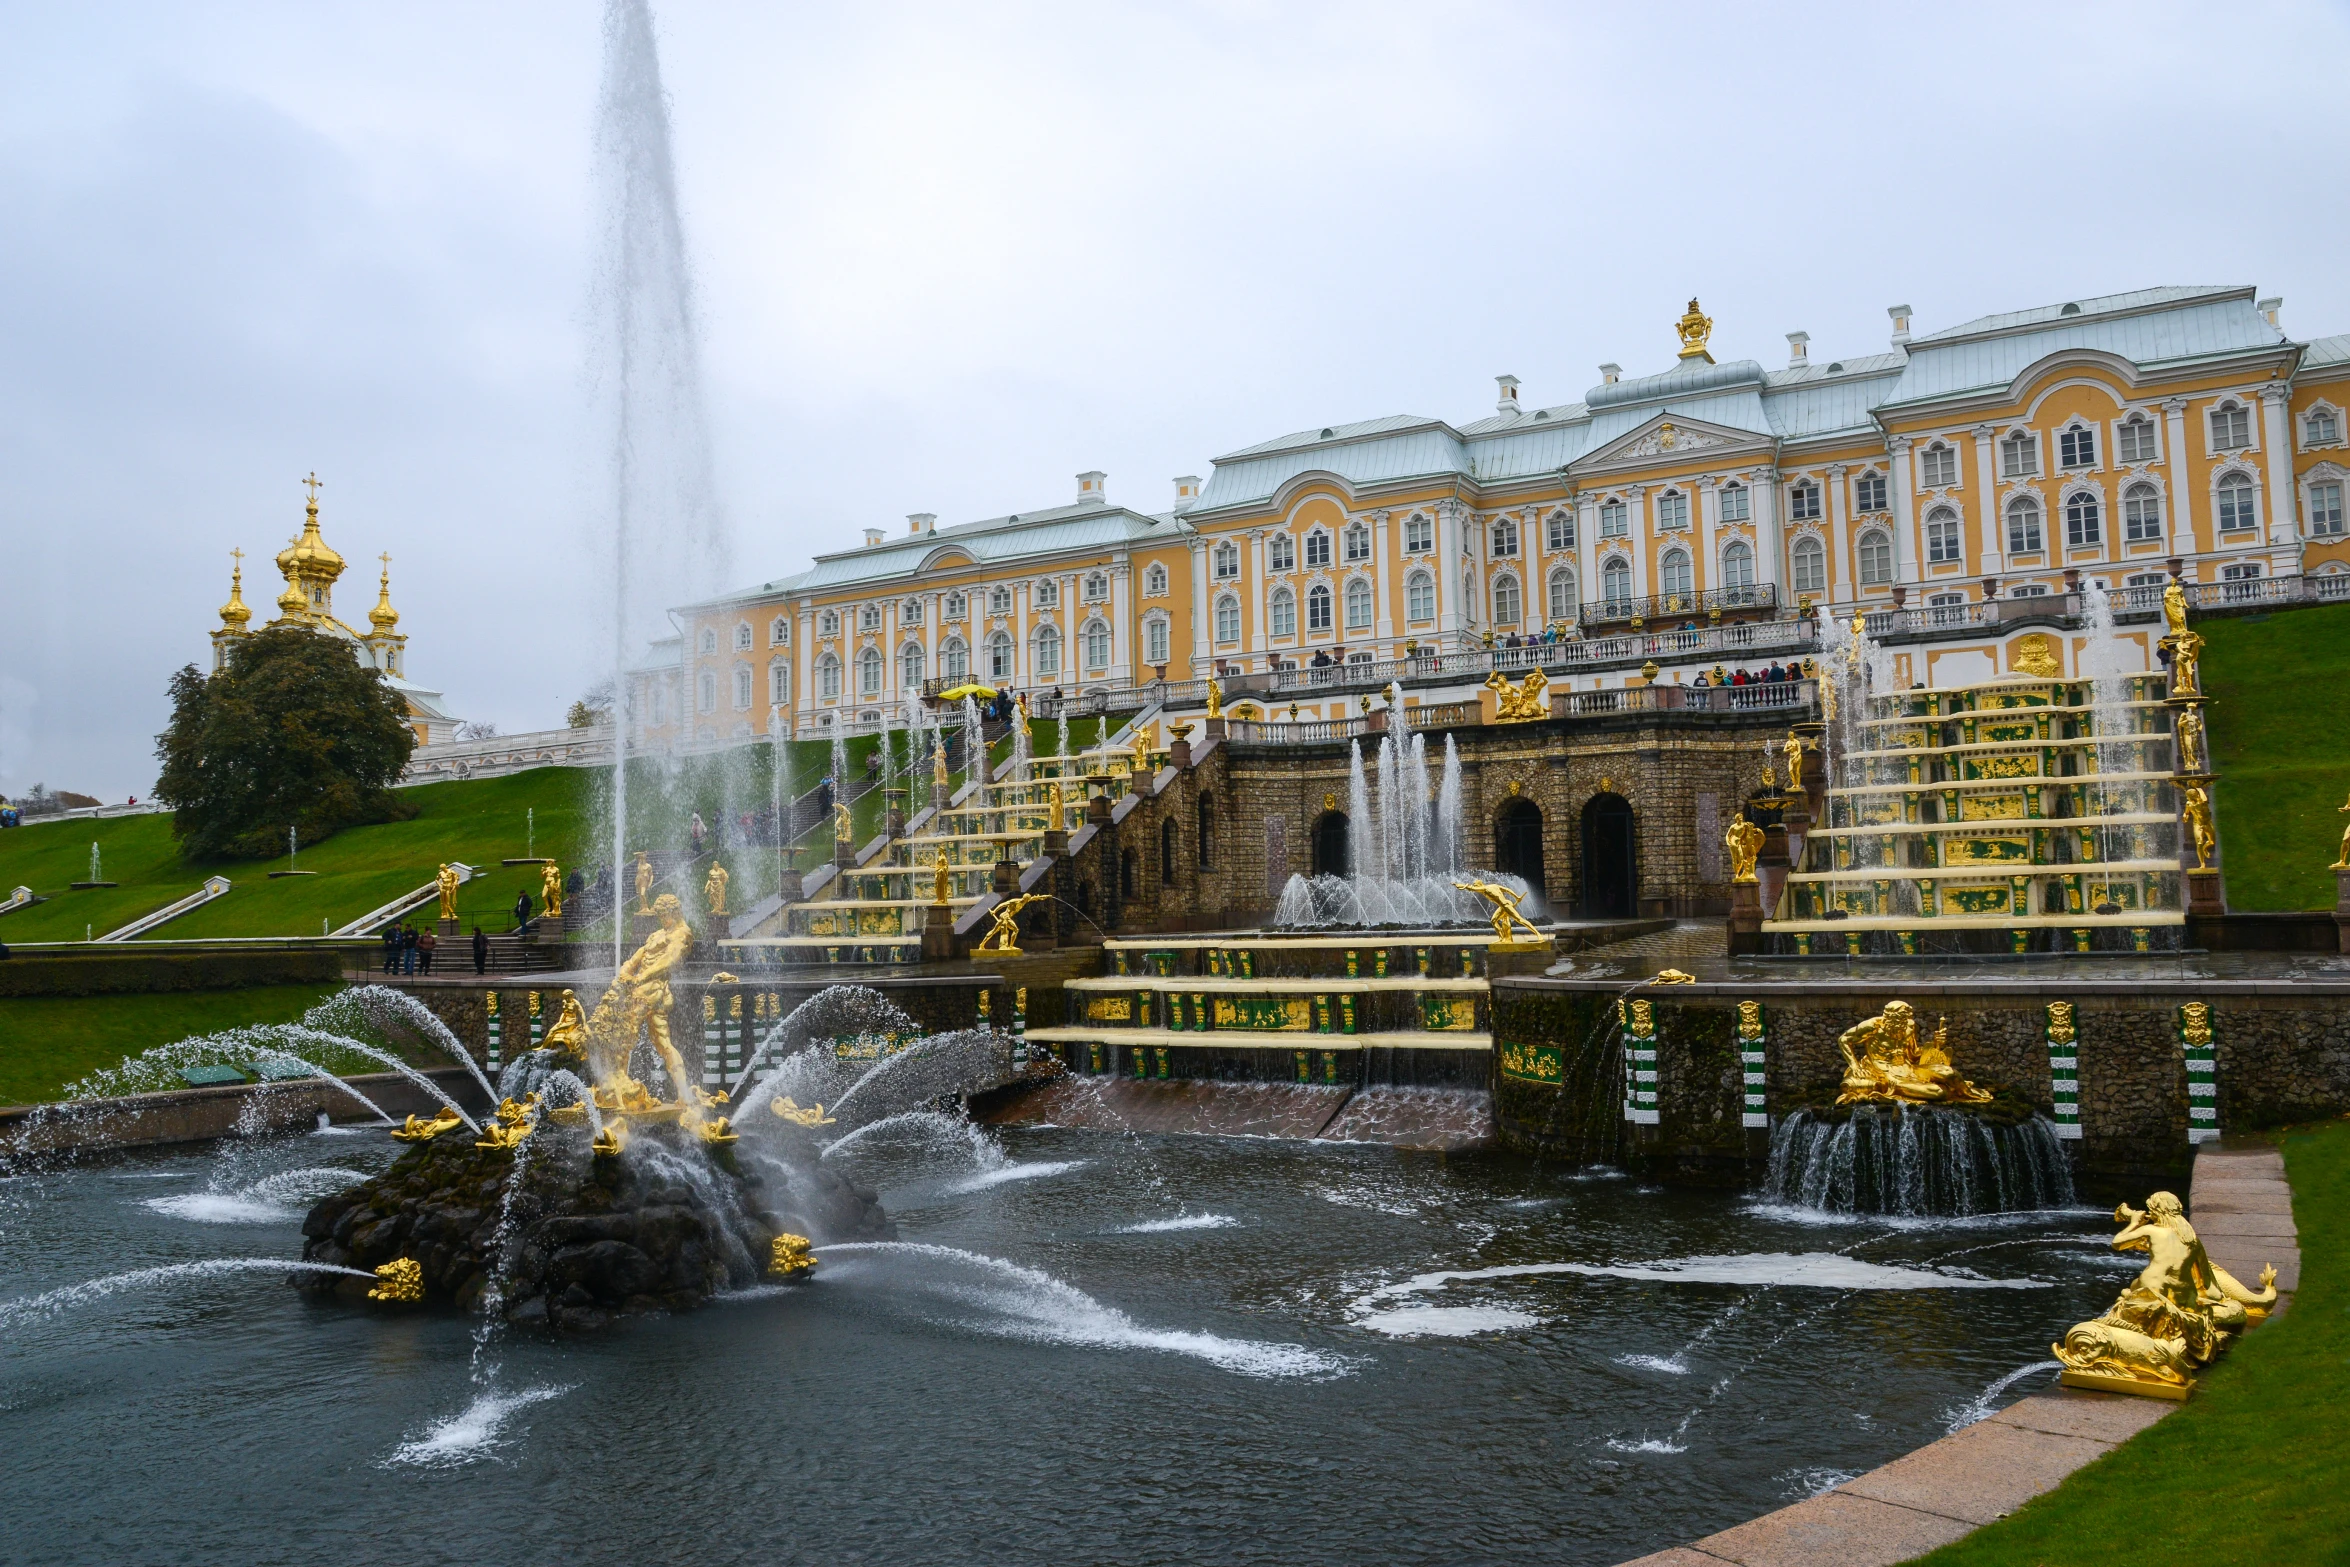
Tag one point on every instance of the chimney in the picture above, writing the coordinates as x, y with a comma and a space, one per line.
1508, 401
1090, 491
872, 537
1900, 315
921, 521
1186, 490
1798, 350
2271, 309
1609, 374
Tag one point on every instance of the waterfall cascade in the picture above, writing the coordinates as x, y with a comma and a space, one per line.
1917, 1161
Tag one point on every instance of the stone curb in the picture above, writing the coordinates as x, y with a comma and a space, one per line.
1982, 1472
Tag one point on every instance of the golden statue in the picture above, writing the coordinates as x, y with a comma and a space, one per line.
447, 880
1693, 329
1744, 840
938, 773
2174, 608
844, 829
612, 1139
401, 1281
638, 1003
1886, 1063
568, 1035
1519, 705
2199, 824
415, 1131
551, 889
1055, 821
2342, 860
2190, 739
1673, 976
714, 889
1003, 937
791, 1257
517, 1119
2035, 655
1507, 921
2172, 1319
940, 886
2186, 654
1792, 750
644, 881
799, 1115
1215, 698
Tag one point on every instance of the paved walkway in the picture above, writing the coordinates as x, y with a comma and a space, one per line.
2243, 1210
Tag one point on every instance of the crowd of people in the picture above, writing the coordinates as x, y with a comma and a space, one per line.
1743, 677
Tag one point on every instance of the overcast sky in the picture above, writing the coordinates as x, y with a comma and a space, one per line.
949, 258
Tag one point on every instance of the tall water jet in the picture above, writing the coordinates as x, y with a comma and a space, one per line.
666, 541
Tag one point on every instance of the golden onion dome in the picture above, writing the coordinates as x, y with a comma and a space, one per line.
291, 605
234, 614
310, 555
383, 617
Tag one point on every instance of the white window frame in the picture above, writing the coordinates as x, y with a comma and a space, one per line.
1938, 466
1281, 615
1419, 535
828, 623
1803, 501
1563, 604
1737, 565
1320, 610
1280, 553
1358, 543
1615, 519
2084, 520
1675, 564
2142, 513
1224, 561
1508, 602
742, 688
1616, 571
1155, 640
1227, 619
2019, 455
828, 677
709, 641
2324, 507
2222, 422
1559, 530
1672, 511
1154, 581
999, 600
779, 682
1504, 537
2148, 441
1871, 492
1002, 656
1096, 635
1317, 549
2073, 435
1807, 563
743, 636
1048, 653
1419, 596
1945, 536
1358, 604
2025, 509
913, 666
1872, 553
872, 672
1736, 502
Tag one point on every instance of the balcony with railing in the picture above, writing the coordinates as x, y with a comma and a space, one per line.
1756, 597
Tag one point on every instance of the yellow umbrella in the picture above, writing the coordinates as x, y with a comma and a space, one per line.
960, 692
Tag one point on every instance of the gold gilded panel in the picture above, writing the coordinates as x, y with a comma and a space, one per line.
1977, 900
1109, 1009
1290, 1014
1986, 851
1995, 767
1991, 808
2007, 733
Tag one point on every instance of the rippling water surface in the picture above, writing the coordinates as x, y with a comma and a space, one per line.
1096, 1348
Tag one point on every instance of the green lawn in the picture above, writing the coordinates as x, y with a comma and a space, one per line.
2251, 1469
2280, 705
47, 1042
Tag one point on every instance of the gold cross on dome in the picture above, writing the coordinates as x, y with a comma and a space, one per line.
386, 558
240, 555
315, 484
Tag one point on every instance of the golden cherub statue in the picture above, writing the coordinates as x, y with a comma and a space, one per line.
1507, 921
447, 880
714, 889
2175, 1316
1215, 698
638, 1003
2342, 860
1003, 937
784, 1108
416, 1131
2206, 839
1744, 840
1518, 705
551, 889
568, 1035
644, 881
1885, 1062
2190, 731
517, 1119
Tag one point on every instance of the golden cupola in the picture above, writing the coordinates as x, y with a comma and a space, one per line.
383, 617
234, 616
310, 566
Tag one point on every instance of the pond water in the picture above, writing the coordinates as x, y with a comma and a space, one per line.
1085, 1346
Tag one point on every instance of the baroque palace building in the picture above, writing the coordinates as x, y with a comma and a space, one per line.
2113, 441
311, 567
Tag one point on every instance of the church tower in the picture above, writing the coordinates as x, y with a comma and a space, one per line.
311, 567
235, 618
383, 641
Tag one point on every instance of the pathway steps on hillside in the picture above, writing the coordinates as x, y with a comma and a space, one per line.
2242, 1208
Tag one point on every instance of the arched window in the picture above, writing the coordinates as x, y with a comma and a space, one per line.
1048, 654
910, 613
2231, 427
1810, 561
1170, 851
1615, 584
1562, 595
2321, 428
2082, 518
1227, 558
1559, 530
957, 606
828, 623
1615, 519
1358, 542
1227, 619
1673, 575
1317, 549
709, 639
913, 663
1419, 597
1868, 492
954, 662
779, 631
2137, 439
869, 672
1505, 600
1046, 594
1097, 645
742, 685
1876, 558
2141, 514
828, 676
869, 617
999, 656
1505, 537
1358, 605
1280, 553
1736, 504
709, 692
1154, 581
1318, 603
742, 637
1419, 535
2076, 446
1154, 640
2235, 504
1097, 588
1672, 510
1938, 467
2023, 525
779, 682
2019, 455
999, 600
1944, 540
1738, 566
1207, 831
1803, 502
1284, 613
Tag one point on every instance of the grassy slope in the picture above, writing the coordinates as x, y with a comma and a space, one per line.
2252, 1467
46, 1042
2280, 704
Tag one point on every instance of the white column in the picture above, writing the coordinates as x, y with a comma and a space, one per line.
1841, 545
1994, 547
1383, 582
1643, 540
1708, 495
1120, 615
1260, 596
2176, 470
1448, 571
1762, 494
1905, 547
2284, 503
1586, 552
1203, 611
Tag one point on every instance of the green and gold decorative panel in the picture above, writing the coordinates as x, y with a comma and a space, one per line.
1860, 902
1976, 901
1288, 1014
1448, 1014
1988, 768
1544, 1064
2119, 894
2004, 850
1109, 1009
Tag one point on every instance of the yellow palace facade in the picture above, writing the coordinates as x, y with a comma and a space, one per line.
1938, 485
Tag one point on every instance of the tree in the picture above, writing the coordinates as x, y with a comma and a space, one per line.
294, 732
